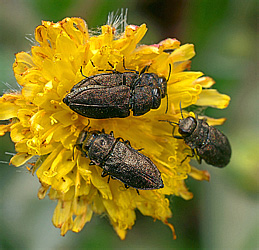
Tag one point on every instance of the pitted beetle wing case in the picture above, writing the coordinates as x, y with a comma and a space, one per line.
119, 160
132, 168
217, 150
96, 101
108, 79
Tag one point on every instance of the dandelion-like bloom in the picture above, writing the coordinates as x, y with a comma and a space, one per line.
42, 125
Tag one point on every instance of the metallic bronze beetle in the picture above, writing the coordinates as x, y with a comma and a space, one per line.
110, 95
206, 142
119, 160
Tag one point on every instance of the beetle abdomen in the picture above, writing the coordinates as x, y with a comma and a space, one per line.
100, 102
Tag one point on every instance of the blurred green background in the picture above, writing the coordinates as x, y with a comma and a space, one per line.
224, 212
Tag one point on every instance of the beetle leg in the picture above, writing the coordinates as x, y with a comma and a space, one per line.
111, 65
91, 163
193, 153
198, 158
127, 142
132, 70
104, 173
113, 71
112, 134
204, 119
127, 187
103, 131
144, 69
119, 139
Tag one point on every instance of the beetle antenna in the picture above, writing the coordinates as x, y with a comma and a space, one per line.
112, 67
171, 123
181, 110
123, 62
81, 71
131, 70
166, 103
73, 155
92, 63
170, 68
88, 123
144, 69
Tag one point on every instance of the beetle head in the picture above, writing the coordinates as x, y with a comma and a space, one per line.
83, 138
162, 84
156, 98
89, 138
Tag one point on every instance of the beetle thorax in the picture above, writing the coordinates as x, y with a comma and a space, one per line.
187, 126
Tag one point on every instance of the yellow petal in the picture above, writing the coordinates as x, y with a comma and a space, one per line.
133, 34
8, 110
199, 175
4, 129
20, 159
169, 44
205, 82
81, 220
185, 52
100, 183
212, 98
61, 213
213, 121
77, 29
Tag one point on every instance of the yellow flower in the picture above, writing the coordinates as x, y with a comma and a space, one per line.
42, 125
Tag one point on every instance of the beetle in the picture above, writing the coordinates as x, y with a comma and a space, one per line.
206, 142
119, 160
114, 94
